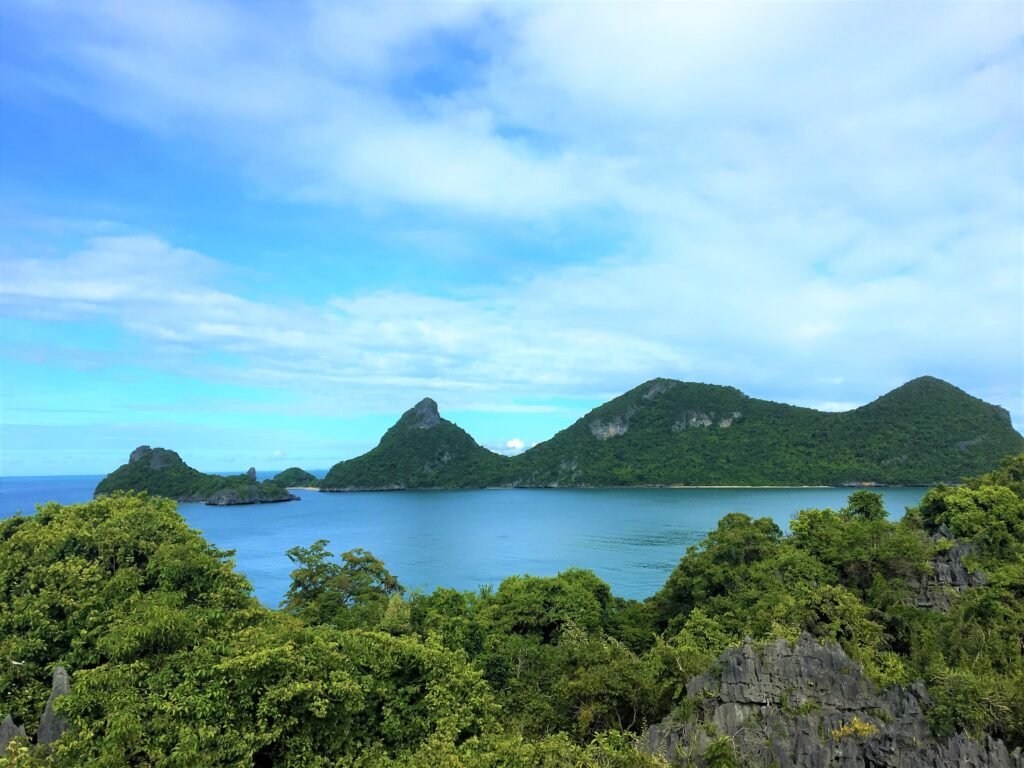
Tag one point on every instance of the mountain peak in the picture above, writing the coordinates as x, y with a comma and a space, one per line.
155, 458
423, 415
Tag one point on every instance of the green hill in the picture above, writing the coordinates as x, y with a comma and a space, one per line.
161, 472
668, 432
421, 450
296, 477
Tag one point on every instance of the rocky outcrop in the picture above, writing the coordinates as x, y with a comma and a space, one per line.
229, 497
604, 430
949, 575
703, 420
251, 473
423, 415
8, 732
810, 706
52, 725
155, 458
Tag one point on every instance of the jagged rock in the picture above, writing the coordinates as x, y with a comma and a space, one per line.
8, 732
251, 474
139, 453
156, 458
810, 706
52, 725
948, 575
424, 415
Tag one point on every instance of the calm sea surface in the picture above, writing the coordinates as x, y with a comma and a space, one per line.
632, 538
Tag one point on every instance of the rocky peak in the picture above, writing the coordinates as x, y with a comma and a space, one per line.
139, 454
158, 458
9, 731
423, 415
251, 474
52, 725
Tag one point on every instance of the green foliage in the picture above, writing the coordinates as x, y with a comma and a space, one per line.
104, 582
352, 593
865, 505
174, 664
421, 450
295, 477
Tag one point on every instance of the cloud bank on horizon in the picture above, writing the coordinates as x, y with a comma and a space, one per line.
279, 225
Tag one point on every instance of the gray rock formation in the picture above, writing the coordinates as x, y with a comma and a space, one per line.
810, 706
229, 497
251, 474
157, 458
424, 414
52, 725
948, 576
8, 732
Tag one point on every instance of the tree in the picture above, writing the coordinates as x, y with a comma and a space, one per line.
350, 593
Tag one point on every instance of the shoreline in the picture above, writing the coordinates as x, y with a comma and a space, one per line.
850, 488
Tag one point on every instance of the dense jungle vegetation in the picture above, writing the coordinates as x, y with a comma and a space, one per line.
173, 663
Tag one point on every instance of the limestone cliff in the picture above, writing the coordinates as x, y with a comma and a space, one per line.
810, 706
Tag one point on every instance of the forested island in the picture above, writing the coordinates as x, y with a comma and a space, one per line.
855, 640
162, 472
662, 433
668, 432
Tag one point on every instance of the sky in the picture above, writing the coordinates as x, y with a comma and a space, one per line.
256, 233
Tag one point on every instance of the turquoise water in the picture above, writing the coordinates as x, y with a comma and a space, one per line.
632, 538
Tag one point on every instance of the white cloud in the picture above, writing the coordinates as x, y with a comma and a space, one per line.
583, 331
515, 444
810, 188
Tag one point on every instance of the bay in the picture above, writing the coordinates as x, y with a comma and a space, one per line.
630, 537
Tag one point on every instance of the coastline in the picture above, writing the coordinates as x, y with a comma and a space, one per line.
674, 487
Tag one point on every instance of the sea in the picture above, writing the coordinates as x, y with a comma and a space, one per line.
630, 537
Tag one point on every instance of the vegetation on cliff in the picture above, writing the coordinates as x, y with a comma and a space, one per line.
668, 432
163, 473
173, 663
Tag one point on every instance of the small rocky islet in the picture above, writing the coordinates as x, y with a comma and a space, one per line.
162, 472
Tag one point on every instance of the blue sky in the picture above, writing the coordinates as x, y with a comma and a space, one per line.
258, 232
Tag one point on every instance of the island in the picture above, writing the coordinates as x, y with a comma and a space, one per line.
162, 472
674, 433
296, 477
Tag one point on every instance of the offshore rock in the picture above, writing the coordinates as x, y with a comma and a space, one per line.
9, 732
810, 706
52, 725
251, 474
229, 497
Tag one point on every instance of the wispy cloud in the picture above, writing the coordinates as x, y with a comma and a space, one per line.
822, 200
577, 331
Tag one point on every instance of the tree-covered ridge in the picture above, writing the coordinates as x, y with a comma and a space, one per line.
421, 450
174, 664
296, 477
162, 472
668, 432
